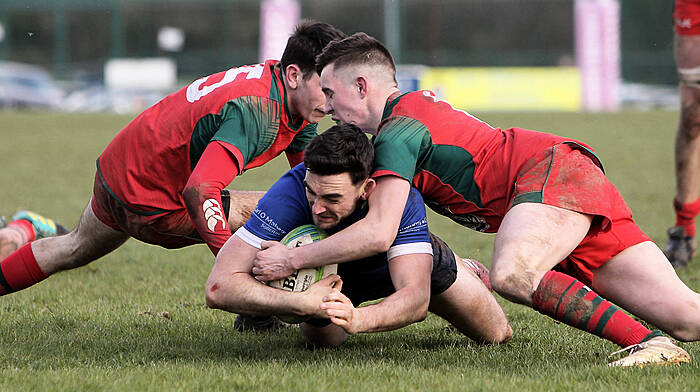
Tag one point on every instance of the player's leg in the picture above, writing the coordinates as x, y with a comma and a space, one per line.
471, 308
241, 205
26, 226
681, 245
37, 260
532, 239
641, 280
318, 335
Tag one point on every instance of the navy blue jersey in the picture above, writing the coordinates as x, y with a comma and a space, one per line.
285, 207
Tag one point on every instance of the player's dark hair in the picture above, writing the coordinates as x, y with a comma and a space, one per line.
308, 40
343, 148
358, 48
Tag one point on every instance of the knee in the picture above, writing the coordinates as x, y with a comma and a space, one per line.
502, 335
512, 283
690, 121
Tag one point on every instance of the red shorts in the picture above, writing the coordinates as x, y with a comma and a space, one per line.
169, 229
566, 176
686, 17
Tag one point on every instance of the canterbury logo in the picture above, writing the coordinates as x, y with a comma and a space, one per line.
213, 214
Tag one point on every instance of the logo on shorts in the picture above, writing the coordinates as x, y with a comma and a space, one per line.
213, 214
684, 23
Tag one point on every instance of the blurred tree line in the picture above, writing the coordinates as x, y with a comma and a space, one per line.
73, 38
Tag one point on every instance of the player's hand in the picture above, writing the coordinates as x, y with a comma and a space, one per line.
272, 262
315, 294
341, 311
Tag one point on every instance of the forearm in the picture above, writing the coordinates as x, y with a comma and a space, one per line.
404, 307
241, 293
369, 236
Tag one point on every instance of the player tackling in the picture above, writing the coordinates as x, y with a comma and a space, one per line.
563, 232
161, 179
418, 273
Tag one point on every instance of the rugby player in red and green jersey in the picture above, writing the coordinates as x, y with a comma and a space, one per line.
562, 229
161, 180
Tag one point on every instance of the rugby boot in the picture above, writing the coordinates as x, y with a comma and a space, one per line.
246, 323
480, 270
679, 248
43, 227
659, 350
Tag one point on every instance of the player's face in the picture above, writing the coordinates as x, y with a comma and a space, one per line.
343, 100
309, 99
332, 198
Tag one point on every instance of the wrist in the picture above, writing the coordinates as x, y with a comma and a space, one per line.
296, 262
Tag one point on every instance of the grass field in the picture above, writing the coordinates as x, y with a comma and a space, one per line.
103, 327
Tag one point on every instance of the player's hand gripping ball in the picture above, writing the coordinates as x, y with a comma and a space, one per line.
305, 277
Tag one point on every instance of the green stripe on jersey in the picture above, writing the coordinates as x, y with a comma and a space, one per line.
404, 145
250, 123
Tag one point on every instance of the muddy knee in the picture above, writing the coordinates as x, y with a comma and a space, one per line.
513, 284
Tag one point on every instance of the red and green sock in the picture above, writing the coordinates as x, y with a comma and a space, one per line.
566, 299
19, 270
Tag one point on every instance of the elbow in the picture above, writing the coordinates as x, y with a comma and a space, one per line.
212, 296
380, 243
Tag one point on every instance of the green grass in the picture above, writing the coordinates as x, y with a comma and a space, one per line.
102, 327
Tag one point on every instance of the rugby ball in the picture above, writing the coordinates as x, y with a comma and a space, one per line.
305, 277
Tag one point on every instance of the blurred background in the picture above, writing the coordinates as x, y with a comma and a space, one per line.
546, 55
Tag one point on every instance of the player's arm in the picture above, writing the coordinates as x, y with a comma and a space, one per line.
231, 287
410, 275
216, 168
369, 236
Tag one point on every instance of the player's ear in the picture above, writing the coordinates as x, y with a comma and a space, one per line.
369, 186
293, 76
361, 86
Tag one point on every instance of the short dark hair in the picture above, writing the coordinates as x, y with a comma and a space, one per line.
308, 40
343, 148
358, 48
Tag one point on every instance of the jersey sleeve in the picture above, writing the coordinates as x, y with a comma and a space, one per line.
202, 194
250, 124
398, 147
413, 236
282, 209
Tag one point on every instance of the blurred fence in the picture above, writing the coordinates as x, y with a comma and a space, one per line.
74, 38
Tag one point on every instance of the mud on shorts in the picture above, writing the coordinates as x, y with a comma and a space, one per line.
169, 229
569, 176
686, 17
367, 285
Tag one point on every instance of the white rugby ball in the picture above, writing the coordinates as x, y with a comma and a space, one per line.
305, 277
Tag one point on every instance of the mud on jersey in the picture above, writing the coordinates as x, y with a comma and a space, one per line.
148, 163
464, 168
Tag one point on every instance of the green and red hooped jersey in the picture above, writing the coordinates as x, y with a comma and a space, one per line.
148, 163
464, 168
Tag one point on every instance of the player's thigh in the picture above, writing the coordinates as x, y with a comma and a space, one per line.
687, 51
471, 308
329, 335
241, 206
641, 280
90, 240
532, 239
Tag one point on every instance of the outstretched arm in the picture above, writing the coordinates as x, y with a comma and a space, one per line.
410, 275
369, 236
216, 168
231, 287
